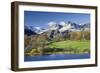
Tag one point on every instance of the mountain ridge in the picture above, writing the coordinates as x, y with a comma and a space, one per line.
54, 28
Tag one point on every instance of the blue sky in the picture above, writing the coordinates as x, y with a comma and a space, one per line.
41, 19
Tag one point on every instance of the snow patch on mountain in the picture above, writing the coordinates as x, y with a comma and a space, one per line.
54, 27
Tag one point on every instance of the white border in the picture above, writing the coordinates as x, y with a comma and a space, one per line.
23, 64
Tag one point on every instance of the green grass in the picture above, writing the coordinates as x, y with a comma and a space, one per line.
65, 47
77, 44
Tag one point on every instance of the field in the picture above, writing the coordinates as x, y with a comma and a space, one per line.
71, 44
79, 46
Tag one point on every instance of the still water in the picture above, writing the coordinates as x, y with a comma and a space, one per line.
56, 57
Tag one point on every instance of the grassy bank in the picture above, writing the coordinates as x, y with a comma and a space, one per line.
69, 46
80, 44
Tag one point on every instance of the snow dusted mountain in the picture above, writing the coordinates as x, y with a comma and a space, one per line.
31, 30
55, 28
64, 28
40, 30
30, 27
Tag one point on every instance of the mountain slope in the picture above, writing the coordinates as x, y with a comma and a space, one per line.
53, 28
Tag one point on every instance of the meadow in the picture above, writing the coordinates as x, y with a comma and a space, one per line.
72, 46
